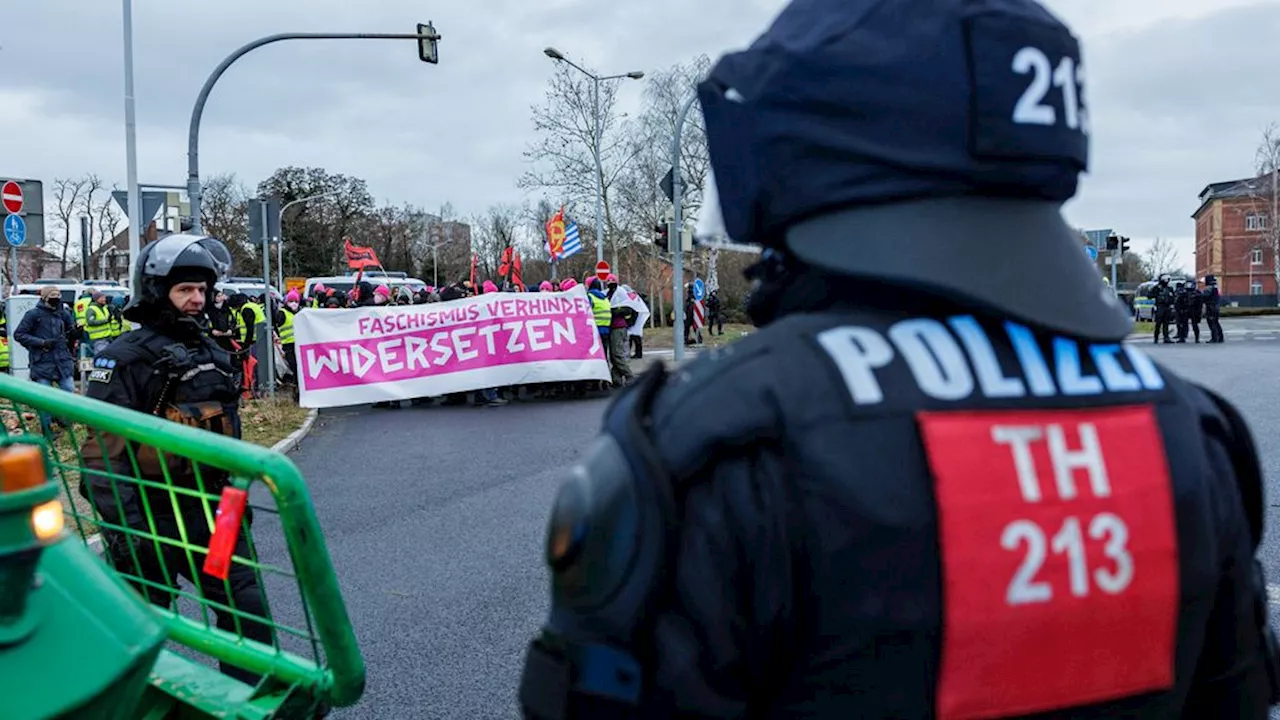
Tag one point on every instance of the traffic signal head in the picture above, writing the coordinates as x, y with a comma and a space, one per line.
1124, 245
1113, 242
662, 237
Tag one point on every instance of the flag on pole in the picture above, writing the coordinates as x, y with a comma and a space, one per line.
562, 237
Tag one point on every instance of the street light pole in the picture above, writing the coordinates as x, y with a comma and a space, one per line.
131, 142
599, 177
197, 112
280, 245
597, 134
677, 255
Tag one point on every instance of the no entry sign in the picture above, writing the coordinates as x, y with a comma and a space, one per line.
602, 270
11, 193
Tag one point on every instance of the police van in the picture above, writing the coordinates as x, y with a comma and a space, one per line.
252, 287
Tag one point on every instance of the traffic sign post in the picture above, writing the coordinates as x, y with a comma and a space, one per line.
11, 193
602, 270
15, 231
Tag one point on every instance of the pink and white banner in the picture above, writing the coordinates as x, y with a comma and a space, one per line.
370, 354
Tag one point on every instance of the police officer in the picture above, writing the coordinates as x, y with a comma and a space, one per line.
1182, 310
936, 482
169, 367
1164, 298
1211, 300
1194, 310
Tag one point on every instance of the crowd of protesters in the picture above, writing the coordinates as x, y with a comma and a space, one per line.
234, 319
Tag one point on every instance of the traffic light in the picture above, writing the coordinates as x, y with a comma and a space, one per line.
1124, 246
662, 237
1113, 242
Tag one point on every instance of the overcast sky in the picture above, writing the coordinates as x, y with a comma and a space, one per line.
1179, 91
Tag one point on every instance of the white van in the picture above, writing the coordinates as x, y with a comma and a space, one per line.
393, 280
71, 289
237, 285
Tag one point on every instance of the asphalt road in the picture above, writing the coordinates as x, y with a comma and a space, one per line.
434, 517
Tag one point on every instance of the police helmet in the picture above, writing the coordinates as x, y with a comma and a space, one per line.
909, 166
170, 260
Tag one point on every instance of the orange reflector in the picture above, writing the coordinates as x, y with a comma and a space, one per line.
21, 468
47, 521
226, 532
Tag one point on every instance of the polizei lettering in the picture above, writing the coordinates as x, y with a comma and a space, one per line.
956, 359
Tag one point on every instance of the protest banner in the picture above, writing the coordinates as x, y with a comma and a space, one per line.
370, 354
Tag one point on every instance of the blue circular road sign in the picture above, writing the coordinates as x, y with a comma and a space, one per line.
699, 289
1091, 251
15, 230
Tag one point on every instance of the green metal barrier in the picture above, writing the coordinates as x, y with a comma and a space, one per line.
311, 659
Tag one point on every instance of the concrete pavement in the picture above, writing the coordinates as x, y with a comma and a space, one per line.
435, 519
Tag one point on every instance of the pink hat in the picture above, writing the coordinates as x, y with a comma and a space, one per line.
545, 286
292, 296
612, 278
489, 287
568, 284
382, 290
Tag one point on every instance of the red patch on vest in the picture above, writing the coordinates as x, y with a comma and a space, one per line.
1059, 558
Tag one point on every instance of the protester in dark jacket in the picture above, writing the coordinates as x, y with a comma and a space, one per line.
48, 332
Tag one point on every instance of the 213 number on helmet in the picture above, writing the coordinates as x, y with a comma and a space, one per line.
1067, 77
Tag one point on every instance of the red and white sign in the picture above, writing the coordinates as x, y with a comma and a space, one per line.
11, 194
602, 270
699, 314
1059, 558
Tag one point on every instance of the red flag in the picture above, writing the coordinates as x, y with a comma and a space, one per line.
505, 268
359, 258
555, 235
515, 269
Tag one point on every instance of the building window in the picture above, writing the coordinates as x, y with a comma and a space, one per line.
1255, 287
1255, 256
1255, 222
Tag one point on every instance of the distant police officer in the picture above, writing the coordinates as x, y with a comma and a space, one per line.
1192, 311
1164, 298
170, 367
936, 483
1211, 299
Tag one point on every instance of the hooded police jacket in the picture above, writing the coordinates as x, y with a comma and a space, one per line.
872, 515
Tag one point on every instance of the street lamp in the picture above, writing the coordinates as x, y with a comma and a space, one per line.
280, 246
558, 56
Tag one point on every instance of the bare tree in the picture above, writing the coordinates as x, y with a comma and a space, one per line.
224, 214
564, 154
106, 218
492, 232
1162, 258
69, 198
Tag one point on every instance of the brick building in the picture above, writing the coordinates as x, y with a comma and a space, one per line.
1234, 232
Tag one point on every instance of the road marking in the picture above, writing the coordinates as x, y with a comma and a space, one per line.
1273, 594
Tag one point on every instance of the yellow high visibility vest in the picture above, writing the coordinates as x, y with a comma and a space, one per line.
82, 308
286, 328
4, 352
98, 332
602, 311
259, 317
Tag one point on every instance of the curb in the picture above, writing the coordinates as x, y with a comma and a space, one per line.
295, 438
94, 542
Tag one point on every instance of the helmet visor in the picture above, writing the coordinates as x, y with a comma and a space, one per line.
187, 251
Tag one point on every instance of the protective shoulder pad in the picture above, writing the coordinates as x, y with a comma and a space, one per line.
724, 399
1235, 433
609, 534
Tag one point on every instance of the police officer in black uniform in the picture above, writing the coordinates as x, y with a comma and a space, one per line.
170, 367
1211, 301
1164, 300
1182, 310
1194, 311
937, 482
